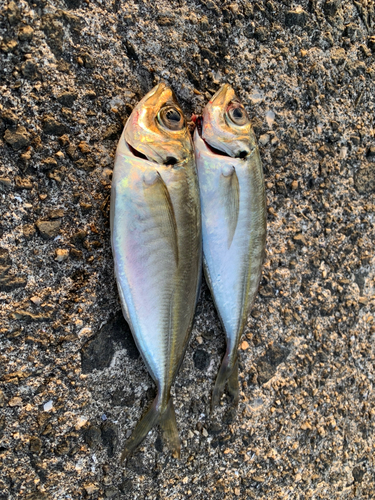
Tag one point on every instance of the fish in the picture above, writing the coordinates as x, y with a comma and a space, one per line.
233, 204
156, 243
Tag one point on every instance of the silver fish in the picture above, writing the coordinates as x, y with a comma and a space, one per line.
156, 246
233, 220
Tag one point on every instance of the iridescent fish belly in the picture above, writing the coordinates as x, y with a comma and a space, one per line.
156, 243
233, 220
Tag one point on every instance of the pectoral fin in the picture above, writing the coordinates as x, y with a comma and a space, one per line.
161, 208
230, 189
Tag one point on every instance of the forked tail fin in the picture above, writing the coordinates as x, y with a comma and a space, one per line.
159, 412
170, 432
228, 374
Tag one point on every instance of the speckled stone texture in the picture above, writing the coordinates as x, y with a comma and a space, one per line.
72, 384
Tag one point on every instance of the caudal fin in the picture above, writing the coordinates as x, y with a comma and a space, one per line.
233, 386
157, 413
170, 432
228, 374
143, 427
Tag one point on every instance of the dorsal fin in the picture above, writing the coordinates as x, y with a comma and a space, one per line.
160, 204
230, 189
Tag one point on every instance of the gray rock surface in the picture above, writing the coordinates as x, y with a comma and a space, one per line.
72, 385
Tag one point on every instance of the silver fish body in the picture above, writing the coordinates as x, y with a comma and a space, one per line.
156, 244
233, 207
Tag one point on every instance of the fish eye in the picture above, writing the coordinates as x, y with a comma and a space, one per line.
237, 113
171, 118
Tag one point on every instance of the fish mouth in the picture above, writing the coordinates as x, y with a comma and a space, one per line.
198, 120
199, 124
136, 153
215, 151
169, 160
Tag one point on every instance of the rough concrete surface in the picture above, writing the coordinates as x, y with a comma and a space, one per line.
72, 383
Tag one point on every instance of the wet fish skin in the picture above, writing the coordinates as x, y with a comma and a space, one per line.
233, 207
156, 246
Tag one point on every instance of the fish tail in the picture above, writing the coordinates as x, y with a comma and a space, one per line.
147, 422
233, 386
170, 432
228, 374
159, 412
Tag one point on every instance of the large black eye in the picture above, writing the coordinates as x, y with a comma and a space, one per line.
237, 113
171, 118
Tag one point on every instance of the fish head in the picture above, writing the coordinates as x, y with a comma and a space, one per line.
156, 129
225, 126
